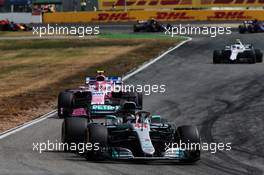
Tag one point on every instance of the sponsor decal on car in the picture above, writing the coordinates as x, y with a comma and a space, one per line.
104, 108
79, 112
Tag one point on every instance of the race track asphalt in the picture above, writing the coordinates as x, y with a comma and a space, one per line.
224, 101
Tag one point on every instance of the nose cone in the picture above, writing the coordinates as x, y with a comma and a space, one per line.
148, 149
144, 138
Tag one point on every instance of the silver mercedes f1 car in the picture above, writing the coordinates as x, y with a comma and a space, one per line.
121, 132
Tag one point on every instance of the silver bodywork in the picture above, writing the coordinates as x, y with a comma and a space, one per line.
237, 48
142, 128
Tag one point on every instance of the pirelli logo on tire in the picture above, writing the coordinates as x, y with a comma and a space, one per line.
159, 4
134, 15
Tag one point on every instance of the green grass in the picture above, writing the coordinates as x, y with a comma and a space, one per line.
15, 33
69, 43
139, 36
58, 44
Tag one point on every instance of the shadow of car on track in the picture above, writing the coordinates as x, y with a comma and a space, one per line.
75, 157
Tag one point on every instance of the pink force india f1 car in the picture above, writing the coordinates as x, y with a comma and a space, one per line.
97, 90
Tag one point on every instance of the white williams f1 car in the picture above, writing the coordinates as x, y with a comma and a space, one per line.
238, 53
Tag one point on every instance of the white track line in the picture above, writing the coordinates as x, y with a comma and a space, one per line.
50, 114
27, 124
144, 66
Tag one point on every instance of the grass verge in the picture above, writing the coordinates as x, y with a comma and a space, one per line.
32, 73
154, 36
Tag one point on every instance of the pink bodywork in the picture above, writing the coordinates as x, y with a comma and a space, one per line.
98, 97
79, 112
101, 90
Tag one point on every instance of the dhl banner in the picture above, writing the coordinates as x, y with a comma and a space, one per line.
176, 15
172, 4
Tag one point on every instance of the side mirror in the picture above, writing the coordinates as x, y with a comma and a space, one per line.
155, 119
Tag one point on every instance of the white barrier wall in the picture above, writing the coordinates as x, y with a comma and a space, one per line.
21, 17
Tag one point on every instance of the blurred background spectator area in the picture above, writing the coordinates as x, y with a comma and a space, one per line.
38, 6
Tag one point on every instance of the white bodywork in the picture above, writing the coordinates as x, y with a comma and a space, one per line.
142, 130
237, 48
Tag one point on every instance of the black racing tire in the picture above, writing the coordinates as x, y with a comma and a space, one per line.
97, 135
135, 29
73, 131
152, 28
161, 28
226, 56
251, 56
190, 135
139, 100
169, 27
250, 29
217, 56
116, 94
136, 97
242, 29
65, 101
128, 95
259, 56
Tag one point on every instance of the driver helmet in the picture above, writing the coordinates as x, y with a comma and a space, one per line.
129, 118
152, 21
238, 41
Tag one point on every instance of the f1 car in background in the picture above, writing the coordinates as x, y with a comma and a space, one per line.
238, 53
130, 134
97, 90
251, 27
150, 26
6, 25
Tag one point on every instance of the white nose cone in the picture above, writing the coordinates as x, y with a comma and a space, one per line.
142, 131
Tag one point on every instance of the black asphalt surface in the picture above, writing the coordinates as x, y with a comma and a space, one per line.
224, 101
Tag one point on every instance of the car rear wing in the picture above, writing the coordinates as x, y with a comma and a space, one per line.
112, 79
248, 22
90, 80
